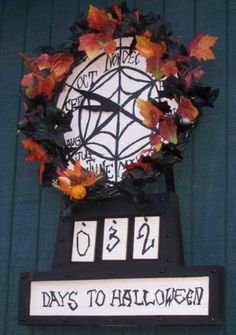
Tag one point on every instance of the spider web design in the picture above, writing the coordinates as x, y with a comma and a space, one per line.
110, 126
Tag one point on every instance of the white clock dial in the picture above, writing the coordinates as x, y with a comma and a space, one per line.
107, 129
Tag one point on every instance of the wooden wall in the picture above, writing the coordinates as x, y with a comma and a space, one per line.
206, 179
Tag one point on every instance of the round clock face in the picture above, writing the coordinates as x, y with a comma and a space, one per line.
107, 129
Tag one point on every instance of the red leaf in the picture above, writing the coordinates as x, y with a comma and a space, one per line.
46, 86
168, 129
138, 164
169, 68
118, 12
156, 142
196, 73
28, 80
200, 47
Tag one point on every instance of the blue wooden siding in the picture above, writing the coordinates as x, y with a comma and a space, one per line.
206, 179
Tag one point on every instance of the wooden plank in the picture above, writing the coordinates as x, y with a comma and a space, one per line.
62, 16
183, 170
230, 176
173, 11
27, 192
208, 204
209, 147
12, 40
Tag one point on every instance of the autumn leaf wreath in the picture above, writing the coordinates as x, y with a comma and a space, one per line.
167, 59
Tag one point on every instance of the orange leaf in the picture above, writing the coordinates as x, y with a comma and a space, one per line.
187, 110
150, 113
36, 152
200, 47
149, 49
92, 43
168, 129
60, 65
156, 142
98, 19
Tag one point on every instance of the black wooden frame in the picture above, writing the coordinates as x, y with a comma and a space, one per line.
215, 317
169, 264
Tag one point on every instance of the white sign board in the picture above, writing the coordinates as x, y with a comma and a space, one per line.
115, 239
146, 237
121, 297
84, 241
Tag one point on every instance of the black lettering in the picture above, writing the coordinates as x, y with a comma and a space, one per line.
113, 236
91, 297
178, 294
92, 75
145, 296
111, 61
82, 242
189, 297
62, 297
72, 304
53, 299
198, 295
102, 298
170, 293
127, 297
144, 232
82, 82
136, 302
160, 301
46, 295
116, 296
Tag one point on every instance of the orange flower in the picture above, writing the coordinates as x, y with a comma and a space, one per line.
200, 47
36, 152
73, 182
151, 113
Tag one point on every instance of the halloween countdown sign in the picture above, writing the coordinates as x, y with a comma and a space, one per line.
106, 114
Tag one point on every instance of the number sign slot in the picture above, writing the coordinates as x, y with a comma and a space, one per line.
115, 239
146, 237
84, 241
